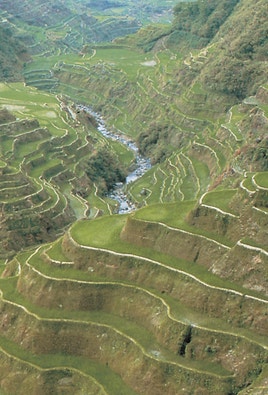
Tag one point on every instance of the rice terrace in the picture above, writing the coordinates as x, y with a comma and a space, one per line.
133, 197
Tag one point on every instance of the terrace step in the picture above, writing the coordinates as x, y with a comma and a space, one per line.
171, 278
108, 347
118, 313
42, 160
15, 127
42, 79
72, 376
103, 286
68, 296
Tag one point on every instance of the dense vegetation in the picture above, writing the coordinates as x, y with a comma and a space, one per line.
199, 21
242, 49
12, 55
105, 169
237, 32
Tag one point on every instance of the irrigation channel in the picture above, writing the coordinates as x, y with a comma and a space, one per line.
142, 164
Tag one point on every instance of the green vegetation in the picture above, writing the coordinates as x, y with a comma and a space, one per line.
106, 169
144, 12
202, 19
220, 199
177, 290
114, 294
262, 179
244, 58
12, 55
111, 382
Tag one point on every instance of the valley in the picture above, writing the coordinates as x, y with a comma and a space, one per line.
169, 296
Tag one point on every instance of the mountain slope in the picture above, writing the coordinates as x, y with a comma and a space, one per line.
233, 35
242, 48
169, 109
172, 298
50, 27
12, 55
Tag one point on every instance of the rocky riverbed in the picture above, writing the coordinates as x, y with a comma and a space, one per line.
141, 165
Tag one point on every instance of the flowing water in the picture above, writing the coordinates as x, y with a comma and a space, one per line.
142, 164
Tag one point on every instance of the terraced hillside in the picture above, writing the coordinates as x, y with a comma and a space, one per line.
171, 298
49, 27
197, 144
177, 292
13, 54
54, 27
124, 291
45, 146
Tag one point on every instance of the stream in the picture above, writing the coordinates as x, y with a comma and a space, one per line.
142, 164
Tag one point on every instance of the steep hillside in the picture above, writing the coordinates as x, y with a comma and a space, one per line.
47, 148
172, 297
242, 47
170, 96
233, 37
13, 54
50, 27
125, 291
195, 24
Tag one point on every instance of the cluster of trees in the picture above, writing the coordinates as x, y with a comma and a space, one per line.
238, 65
202, 19
12, 55
154, 141
105, 169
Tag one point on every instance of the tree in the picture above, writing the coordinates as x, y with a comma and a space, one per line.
105, 169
